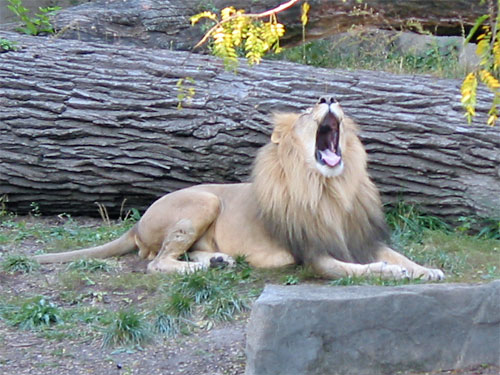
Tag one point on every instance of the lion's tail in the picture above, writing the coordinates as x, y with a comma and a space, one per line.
123, 245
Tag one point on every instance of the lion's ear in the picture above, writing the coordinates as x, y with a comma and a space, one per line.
276, 136
283, 123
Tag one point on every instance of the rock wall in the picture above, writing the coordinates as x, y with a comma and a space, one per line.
369, 330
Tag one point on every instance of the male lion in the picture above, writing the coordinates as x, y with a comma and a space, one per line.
311, 201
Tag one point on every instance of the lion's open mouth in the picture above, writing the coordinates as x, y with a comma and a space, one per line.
327, 142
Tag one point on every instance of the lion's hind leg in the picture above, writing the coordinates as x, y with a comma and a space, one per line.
415, 271
179, 239
198, 213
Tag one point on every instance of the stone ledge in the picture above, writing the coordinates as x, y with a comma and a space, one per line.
306, 329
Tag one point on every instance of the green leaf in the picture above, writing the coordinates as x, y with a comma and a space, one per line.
476, 26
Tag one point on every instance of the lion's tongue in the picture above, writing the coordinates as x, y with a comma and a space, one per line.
330, 157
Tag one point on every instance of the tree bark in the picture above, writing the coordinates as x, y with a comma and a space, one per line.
82, 123
165, 23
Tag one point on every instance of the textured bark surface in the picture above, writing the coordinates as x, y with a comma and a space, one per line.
165, 23
83, 123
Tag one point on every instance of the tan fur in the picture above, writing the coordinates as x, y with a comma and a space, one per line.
293, 211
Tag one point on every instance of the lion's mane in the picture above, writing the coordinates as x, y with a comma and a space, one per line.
311, 214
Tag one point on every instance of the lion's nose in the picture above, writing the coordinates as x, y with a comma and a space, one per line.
327, 100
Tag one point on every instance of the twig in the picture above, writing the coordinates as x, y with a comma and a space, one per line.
103, 211
25, 344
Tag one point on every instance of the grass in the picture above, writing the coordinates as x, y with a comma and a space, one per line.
129, 328
409, 225
19, 263
170, 325
464, 254
365, 51
33, 313
69, 234
95, 300
203, 297
7, 45
212, 294
464, 258
357, 280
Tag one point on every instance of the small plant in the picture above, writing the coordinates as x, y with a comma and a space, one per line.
185, 92
91, 265
33, 25
479, 228
243, 267
128, 329
170, 325
35, 209
133, 216
3, 204
36, 312
172, 316
225, 306
490, 230
7, 45
179, 304
19, 263
290, 280
492, 272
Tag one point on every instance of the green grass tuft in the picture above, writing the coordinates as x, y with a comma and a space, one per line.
479, 228
170, 326
19, 263
179, 304
128, 329
225, 306
211, 293
34, 313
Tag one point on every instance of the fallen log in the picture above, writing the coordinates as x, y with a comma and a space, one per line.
165, 23
82, 123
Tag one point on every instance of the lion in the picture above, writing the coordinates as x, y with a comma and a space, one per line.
310, 201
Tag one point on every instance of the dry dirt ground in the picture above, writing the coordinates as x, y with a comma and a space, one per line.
220, 350
217, 351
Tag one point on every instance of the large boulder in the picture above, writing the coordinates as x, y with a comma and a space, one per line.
373, 330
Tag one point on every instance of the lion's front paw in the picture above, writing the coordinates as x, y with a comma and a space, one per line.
428, 274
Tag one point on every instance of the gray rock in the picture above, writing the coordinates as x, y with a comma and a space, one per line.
372, 330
